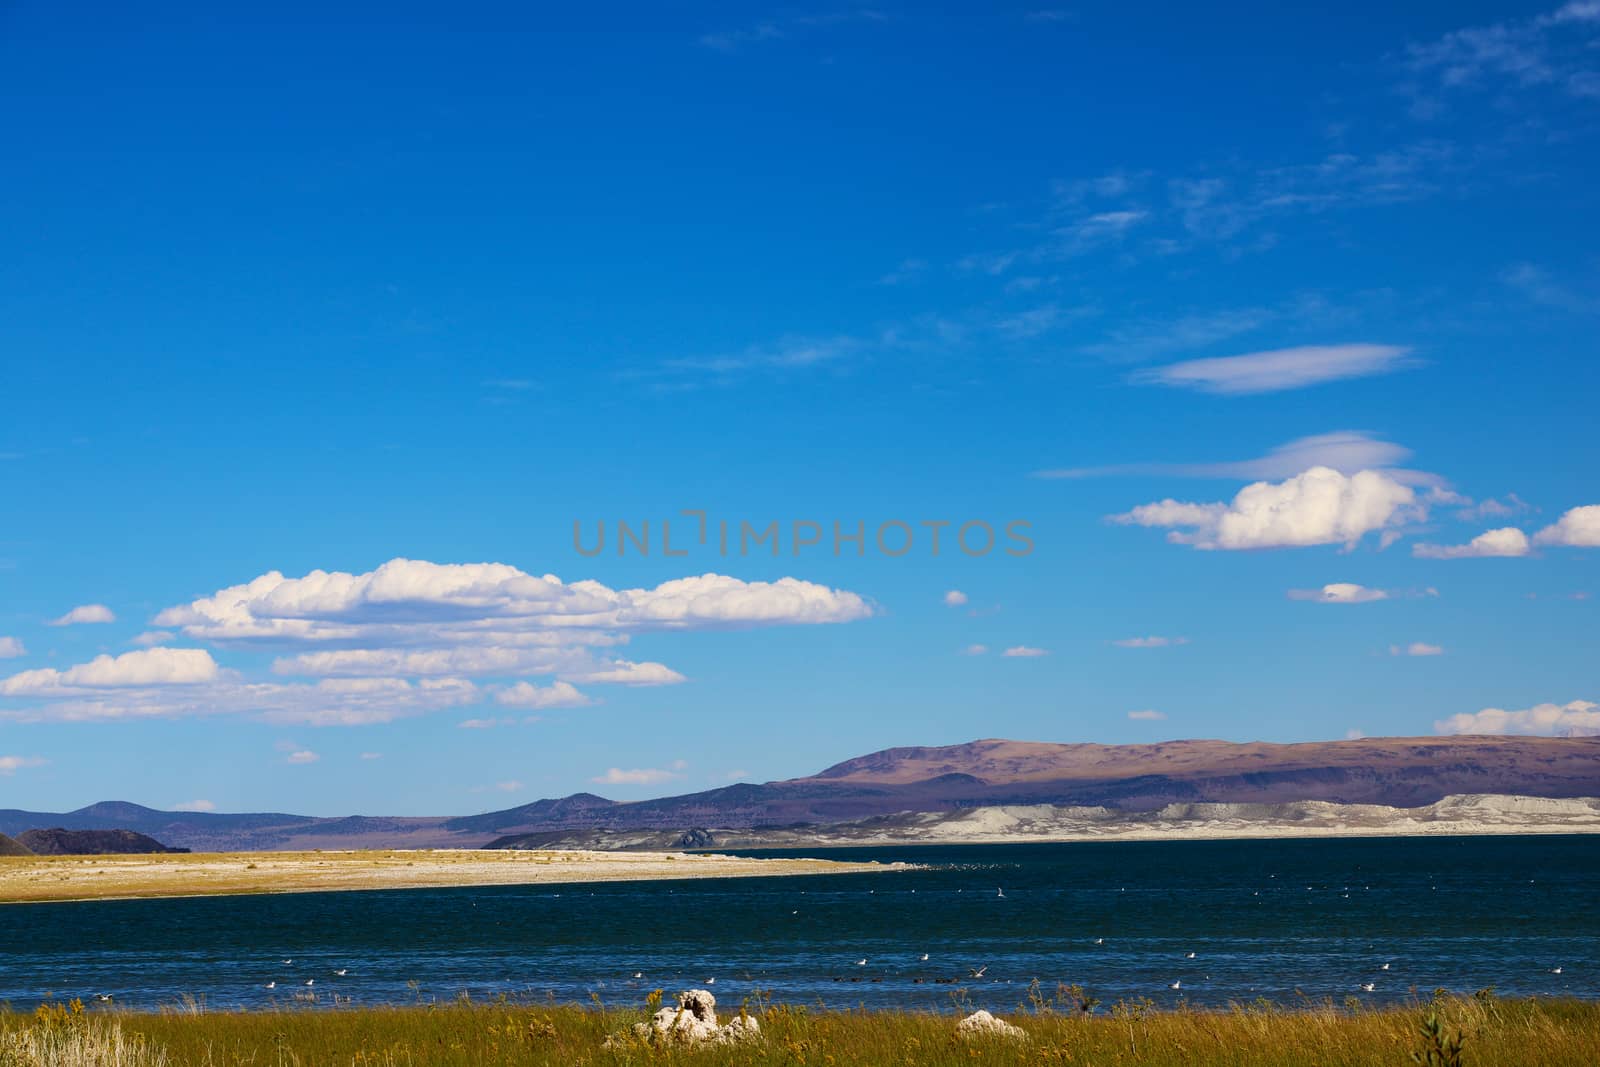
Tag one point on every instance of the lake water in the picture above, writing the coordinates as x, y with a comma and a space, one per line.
1275, 919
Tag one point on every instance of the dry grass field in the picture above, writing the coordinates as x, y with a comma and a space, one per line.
1479, 1031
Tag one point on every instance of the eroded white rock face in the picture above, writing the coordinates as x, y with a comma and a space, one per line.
980, 1024
694, 1021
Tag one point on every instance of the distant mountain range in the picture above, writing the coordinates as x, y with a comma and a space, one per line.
1395, 772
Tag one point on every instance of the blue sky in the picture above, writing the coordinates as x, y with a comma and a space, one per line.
1276, 328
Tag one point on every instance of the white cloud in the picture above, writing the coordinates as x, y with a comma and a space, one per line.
1581, 718
85, 613
639, 776
528, 695
955, 598
975, 650
10, 765
407, 637
11, 648
1578, 528
1340, 593
1416, 648
371, 755
300, 756
483, 724
1146, 716
1320, 506
1508, 541
153, 637
1354, 734
511, 786
1024, 652
195, 805
151, 667
1150, 642
1280, 369
1346, 451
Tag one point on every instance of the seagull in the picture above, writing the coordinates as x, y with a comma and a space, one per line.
104, 998
1099, 940
1385, 967
1555, 970
1175, 985
342, 971
287, 962
1001, 893
272, 985
1190, 956
1367, 987
979, 972
924, 957
638, 974
861, 963
311, 981
711, 981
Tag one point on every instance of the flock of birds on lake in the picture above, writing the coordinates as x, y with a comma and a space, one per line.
973, 973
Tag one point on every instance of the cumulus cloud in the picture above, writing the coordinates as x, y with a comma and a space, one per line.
1150, 642
151, 667
1280, 369
1146, 715
408, 637
1340, 593
1578, 528
955, 598
556, 695
1581, 718
1024, 652
85, 613
1320, 506
637, 776
153, 637
300, 756
10, 765
1507, 541
195, 805
1416, 648
11, 648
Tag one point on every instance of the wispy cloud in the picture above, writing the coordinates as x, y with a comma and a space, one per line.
1346, 451
302, 756
12, 648
636, 776
1150, 642
1340, 593
1024, 652
10, 765
778, 29
1146, 715
1553, 51
1416, 648
1279, 370
975, 650
85, 614
194, 805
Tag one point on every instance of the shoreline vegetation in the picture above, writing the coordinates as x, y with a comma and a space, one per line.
49, 879
1063, 1026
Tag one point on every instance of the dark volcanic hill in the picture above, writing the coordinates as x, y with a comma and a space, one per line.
1400, 772
59, 842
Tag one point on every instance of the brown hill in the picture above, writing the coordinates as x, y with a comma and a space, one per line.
10, 846
59, 842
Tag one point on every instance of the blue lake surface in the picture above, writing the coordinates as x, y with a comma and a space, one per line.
1277, 919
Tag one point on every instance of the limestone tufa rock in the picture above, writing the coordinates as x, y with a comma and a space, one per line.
694, 1021
980, 1024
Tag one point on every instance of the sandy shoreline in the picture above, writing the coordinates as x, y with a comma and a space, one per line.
45, 879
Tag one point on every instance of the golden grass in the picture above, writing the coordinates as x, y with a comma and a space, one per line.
33, 879
1497, 1033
